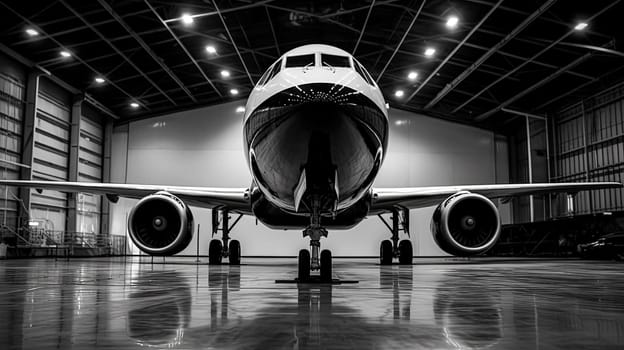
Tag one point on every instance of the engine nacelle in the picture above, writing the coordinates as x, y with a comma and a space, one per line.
161, 224
466, 224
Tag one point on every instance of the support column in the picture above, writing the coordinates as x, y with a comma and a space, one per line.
530, 165
74, 145
106, 175
28, 142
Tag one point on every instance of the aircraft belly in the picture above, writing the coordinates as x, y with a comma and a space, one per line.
326, 140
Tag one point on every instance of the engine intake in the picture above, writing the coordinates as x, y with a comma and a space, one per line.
466, 224
161, 224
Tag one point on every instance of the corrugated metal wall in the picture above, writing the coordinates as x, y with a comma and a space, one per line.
12, 95
589, 146
90, 157
51, 155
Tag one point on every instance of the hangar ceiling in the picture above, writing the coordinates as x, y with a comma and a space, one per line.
161, 56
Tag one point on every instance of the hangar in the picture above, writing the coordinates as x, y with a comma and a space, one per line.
158, 99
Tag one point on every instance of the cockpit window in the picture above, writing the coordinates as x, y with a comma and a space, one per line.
300, 61
360, 69
270, 73
335, 61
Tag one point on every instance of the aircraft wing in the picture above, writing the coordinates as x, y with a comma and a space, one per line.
236, 199
384, 199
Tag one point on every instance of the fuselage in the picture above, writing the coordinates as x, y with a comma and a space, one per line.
315, 128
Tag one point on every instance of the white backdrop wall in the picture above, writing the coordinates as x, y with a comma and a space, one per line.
204, 147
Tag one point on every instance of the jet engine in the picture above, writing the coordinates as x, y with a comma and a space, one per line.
466, 224
161, 224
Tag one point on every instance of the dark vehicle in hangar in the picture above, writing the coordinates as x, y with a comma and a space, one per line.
610, 246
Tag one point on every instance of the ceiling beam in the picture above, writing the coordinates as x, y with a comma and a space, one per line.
227, 30
266, 9
212, 13
74, 55
188, 54
533, 87
357, 43
455, 49
103, 38
422, 4
147, 49
463, 75
529, 60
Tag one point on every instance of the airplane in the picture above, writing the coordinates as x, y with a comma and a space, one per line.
315, 134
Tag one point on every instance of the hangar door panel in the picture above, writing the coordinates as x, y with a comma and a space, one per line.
50, 159
89, 170
12, 95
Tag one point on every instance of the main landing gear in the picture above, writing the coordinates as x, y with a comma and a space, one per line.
219, 249
315, 262
391, 248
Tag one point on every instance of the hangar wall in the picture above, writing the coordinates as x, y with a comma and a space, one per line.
49, 132
585, 143
204, 147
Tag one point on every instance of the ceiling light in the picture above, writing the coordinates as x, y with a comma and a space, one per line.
233, 91
240, 109
429, 51
134, 105
211, 50
412, 76
580, 26
225, 73
99, 80
65, 54
187, 19
451, 22
399, 93
32, 32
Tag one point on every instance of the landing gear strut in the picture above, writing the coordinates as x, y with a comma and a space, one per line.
311, 260
394, 248
225, 247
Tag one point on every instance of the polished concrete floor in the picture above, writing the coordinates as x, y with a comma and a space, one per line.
482, 303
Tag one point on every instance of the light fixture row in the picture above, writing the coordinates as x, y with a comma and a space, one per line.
452, 23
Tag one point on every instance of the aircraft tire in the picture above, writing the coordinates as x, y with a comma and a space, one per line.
326, 266
303, 274
235, 252
406, 252
215, 252
385, 252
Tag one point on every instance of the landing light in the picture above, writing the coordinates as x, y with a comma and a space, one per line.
430, 52
32, 32
580, 26
187, 19
451, 22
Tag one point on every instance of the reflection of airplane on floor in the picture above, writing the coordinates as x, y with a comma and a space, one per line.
318, 316
315, 135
